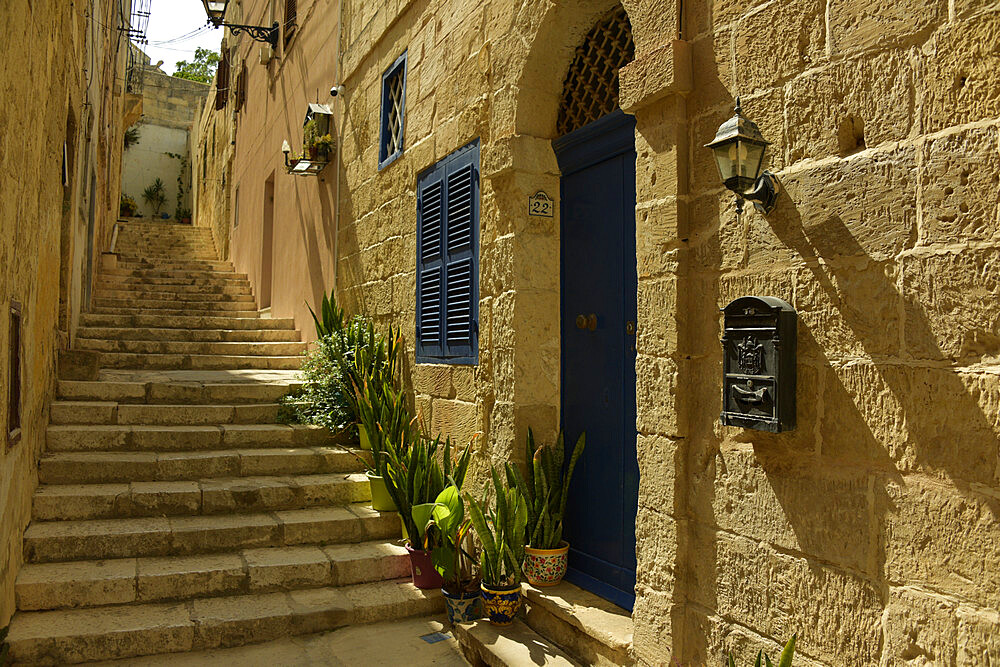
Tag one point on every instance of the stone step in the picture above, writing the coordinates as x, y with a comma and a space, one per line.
193, 265
159, 393
222, 306
201, 311
223, 281
263, 348
96, 539
226, 495
170, 296
483, 643
155, 254
78, 635
168, 291
127, 360
160, 321
187, 274
191, 335
588, 627
127, 438
110, 412
45, 586
157, 466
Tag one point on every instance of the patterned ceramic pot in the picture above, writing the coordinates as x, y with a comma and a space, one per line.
546, 567
381, 500
501, 605
422, 569
464, 608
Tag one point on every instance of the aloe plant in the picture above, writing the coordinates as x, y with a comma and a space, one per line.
501, 533
785, 660
546, 489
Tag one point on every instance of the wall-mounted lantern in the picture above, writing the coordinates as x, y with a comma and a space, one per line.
739, 153
216, 11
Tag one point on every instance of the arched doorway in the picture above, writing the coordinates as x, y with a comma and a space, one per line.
596, 154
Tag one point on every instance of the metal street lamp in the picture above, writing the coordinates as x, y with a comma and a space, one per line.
216, 11
739, 153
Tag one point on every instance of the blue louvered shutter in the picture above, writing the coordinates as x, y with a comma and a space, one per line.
430, 263
448, 259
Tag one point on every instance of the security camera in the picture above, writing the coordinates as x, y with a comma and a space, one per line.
336, 90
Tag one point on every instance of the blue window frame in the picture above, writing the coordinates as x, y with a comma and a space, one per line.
448, 259
390, 145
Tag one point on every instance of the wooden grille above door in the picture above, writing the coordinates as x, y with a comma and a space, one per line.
590, 90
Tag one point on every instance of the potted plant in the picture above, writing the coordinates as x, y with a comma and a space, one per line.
384, 414
501, 533
155, 195
309, 134
126, 207
546, 491
183, 215
324, 145
415, 476
446, 515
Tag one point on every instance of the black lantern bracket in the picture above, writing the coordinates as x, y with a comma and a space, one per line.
739, 144
257, 33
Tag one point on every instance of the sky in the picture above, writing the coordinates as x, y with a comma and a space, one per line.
170, 19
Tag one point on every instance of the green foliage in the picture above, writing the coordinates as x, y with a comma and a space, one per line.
180, 185
546, 488
447, 516
785, 660
501, 533
321, 399
154, 195
126, 206
131, 137
309, 133
201, 69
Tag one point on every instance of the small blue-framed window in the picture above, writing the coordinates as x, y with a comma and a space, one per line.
390, 144
448, 259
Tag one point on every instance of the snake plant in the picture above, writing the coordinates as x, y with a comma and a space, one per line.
785, 660
501, 533
546, 489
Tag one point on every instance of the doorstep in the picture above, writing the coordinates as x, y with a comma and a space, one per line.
587, 627
485, 644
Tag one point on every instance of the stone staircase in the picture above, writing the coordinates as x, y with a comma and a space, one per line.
173, 513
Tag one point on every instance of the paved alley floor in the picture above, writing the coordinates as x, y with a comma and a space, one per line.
383, 644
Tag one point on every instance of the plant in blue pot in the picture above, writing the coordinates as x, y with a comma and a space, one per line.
501, 533
448, 527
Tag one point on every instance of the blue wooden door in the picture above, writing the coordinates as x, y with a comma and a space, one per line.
598, 314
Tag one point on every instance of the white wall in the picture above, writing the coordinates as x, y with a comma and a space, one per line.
148, 159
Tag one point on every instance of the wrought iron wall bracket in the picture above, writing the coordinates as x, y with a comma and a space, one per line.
258, 33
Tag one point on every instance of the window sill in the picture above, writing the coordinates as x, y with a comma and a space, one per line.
389, 160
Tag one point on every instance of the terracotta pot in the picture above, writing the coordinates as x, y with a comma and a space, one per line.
363, 438
381, 500
501, 605
422, 569
546, 567
313, 152
463, 608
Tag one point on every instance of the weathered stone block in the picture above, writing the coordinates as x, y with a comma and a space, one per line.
919, 624
944, 538
857, 25
959, 191
960, 72
656, 548
948, 299
656, 333
660, 460
792, 34
874, 90
655, 390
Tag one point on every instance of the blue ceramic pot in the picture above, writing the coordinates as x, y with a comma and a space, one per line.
463, 608
501, 605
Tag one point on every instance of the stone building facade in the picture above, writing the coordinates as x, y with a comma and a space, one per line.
169, 107
60, 171
871, 530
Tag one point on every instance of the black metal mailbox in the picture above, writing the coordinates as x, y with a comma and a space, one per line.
758, 383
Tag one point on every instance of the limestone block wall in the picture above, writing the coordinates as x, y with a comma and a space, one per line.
49, 100
872, 529
211, 171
